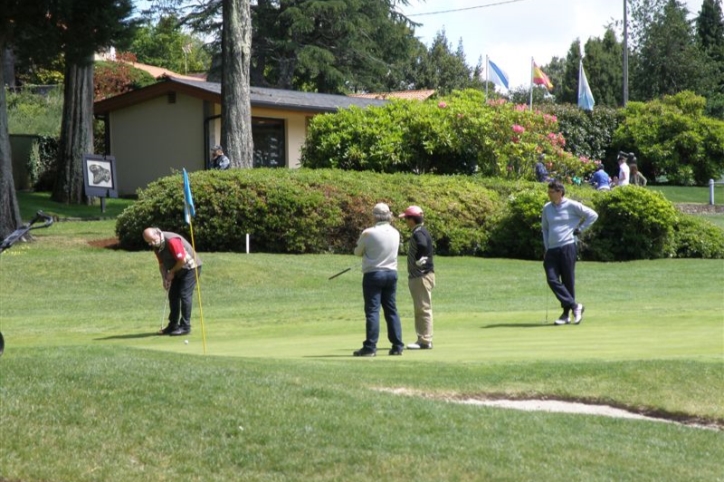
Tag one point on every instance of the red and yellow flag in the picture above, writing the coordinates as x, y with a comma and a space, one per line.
540, 78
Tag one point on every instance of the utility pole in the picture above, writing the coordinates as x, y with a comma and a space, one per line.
625, 53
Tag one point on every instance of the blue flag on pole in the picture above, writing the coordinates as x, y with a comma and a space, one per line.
585, 96
497, 75
189, 210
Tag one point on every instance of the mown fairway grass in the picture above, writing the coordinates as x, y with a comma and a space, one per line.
89, 393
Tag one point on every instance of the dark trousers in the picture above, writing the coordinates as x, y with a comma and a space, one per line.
560, 267
380, 288
181, 297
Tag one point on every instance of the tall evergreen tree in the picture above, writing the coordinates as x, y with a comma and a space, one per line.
444, 70
710, 29
556, 71
602, 62
567, 92
710, 36
668, 59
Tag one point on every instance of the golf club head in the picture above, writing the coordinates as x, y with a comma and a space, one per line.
2, 344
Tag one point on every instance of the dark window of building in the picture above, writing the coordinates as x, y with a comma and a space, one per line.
269, 145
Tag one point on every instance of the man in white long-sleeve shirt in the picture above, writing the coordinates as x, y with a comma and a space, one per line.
378, 247
562, 220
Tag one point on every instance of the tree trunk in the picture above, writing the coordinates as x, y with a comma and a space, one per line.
235, 104
76, 132
8, 66
9, 209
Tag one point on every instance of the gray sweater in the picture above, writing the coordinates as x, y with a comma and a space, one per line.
559, 222
378, 247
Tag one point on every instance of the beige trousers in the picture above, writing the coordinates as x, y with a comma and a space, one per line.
421, 291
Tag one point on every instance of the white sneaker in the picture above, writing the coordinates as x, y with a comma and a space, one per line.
578, 313
419, 346
564, 319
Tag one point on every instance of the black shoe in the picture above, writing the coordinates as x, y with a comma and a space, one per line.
564, 319
396, 351
168, 330
364, 352
180, 331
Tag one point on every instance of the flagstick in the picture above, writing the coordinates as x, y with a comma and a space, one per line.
198, 289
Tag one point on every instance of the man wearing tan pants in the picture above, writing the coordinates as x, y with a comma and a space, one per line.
421, 276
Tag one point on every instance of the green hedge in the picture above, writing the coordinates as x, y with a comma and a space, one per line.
309, 211
325, 210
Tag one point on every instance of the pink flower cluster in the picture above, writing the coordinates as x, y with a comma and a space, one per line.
517, 130
549, 119
442, 105
556, 139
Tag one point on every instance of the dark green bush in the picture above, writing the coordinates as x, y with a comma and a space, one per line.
587, 133
518, 231
309, 211
43, 163
318, 211
673, 138
518, 234
633, 223
698, 238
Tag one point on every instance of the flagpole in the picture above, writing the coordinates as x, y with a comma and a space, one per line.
487, 76
198, 289
531, 83
189, 213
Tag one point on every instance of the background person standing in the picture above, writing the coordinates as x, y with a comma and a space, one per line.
637, 179
378, 247
177, 262
219, 159
623, 170
421, 276
561, 221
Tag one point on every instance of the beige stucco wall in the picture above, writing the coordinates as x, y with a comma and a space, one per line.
165, 136
151, 139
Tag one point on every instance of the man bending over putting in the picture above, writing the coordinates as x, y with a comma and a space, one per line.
177, 262
562, 220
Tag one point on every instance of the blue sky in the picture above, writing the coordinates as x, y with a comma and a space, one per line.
510, 32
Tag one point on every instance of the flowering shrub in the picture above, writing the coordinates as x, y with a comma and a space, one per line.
460, 134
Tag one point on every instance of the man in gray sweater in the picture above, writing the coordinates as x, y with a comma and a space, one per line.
562, 220
378, 246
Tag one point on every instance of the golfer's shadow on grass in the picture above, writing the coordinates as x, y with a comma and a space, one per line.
541, 324
127, 337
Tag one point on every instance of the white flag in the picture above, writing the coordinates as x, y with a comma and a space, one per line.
497, 75
585, 96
